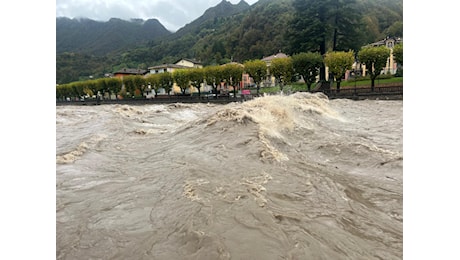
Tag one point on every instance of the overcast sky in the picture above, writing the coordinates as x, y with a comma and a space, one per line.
173, 14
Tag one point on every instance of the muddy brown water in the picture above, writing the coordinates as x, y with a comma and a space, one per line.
278, 177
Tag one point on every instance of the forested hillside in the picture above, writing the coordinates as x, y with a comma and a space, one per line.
101, 38
236, 32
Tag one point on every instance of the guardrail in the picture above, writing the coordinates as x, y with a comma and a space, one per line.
158, 100
387, 92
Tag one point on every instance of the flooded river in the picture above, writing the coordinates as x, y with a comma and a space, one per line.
278, 177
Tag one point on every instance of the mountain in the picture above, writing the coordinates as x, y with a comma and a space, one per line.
193, 40
221, 10
225, 32
100, 38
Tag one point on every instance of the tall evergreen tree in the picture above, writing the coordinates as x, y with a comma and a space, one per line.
324, 25
347, 27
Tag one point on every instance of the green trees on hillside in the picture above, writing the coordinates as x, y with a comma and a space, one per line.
375, 59
289, 26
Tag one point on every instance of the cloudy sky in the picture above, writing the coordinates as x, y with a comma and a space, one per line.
173, 14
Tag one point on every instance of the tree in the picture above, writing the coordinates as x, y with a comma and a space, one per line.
257, 69
324, 25
181, 77
398, 53
196, 76
282, 69
234, 75
128, 82
63, 91
101, 86
77, 89
90, 88
140, 84
307, 65
108, 85
338, 63
398, 56
214, 76
395, 30
375, 59
153, 80
348, 29
166, 81
134, 85
114, 86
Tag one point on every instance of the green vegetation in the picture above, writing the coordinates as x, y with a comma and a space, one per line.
366, 81
283, 70
182, 79
375, 59
398, 53
307, 65
338, 63
257, 69
230, 74
308, 29
226, 33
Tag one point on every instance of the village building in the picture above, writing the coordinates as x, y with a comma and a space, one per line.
127, 72
390, 43
189, 63
165, 68
391, 67
171, 67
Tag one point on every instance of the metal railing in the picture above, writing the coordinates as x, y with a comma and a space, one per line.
363, 92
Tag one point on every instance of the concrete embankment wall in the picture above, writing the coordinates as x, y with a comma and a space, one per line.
224, 100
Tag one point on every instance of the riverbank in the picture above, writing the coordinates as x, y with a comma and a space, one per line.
172, 99
379, 93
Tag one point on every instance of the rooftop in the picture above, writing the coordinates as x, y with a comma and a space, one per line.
131, 71
165, 66
278, 55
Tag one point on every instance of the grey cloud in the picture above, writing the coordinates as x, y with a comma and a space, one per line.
173, 14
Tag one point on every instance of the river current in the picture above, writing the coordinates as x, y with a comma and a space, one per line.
277, 177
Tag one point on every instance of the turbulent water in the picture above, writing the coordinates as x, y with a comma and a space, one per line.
277, 177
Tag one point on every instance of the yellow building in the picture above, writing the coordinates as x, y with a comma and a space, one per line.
180, 64
389, 42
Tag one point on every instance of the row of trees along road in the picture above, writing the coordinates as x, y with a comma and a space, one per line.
307, 64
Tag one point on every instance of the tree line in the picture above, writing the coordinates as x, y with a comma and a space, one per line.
292, 26
306, 65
